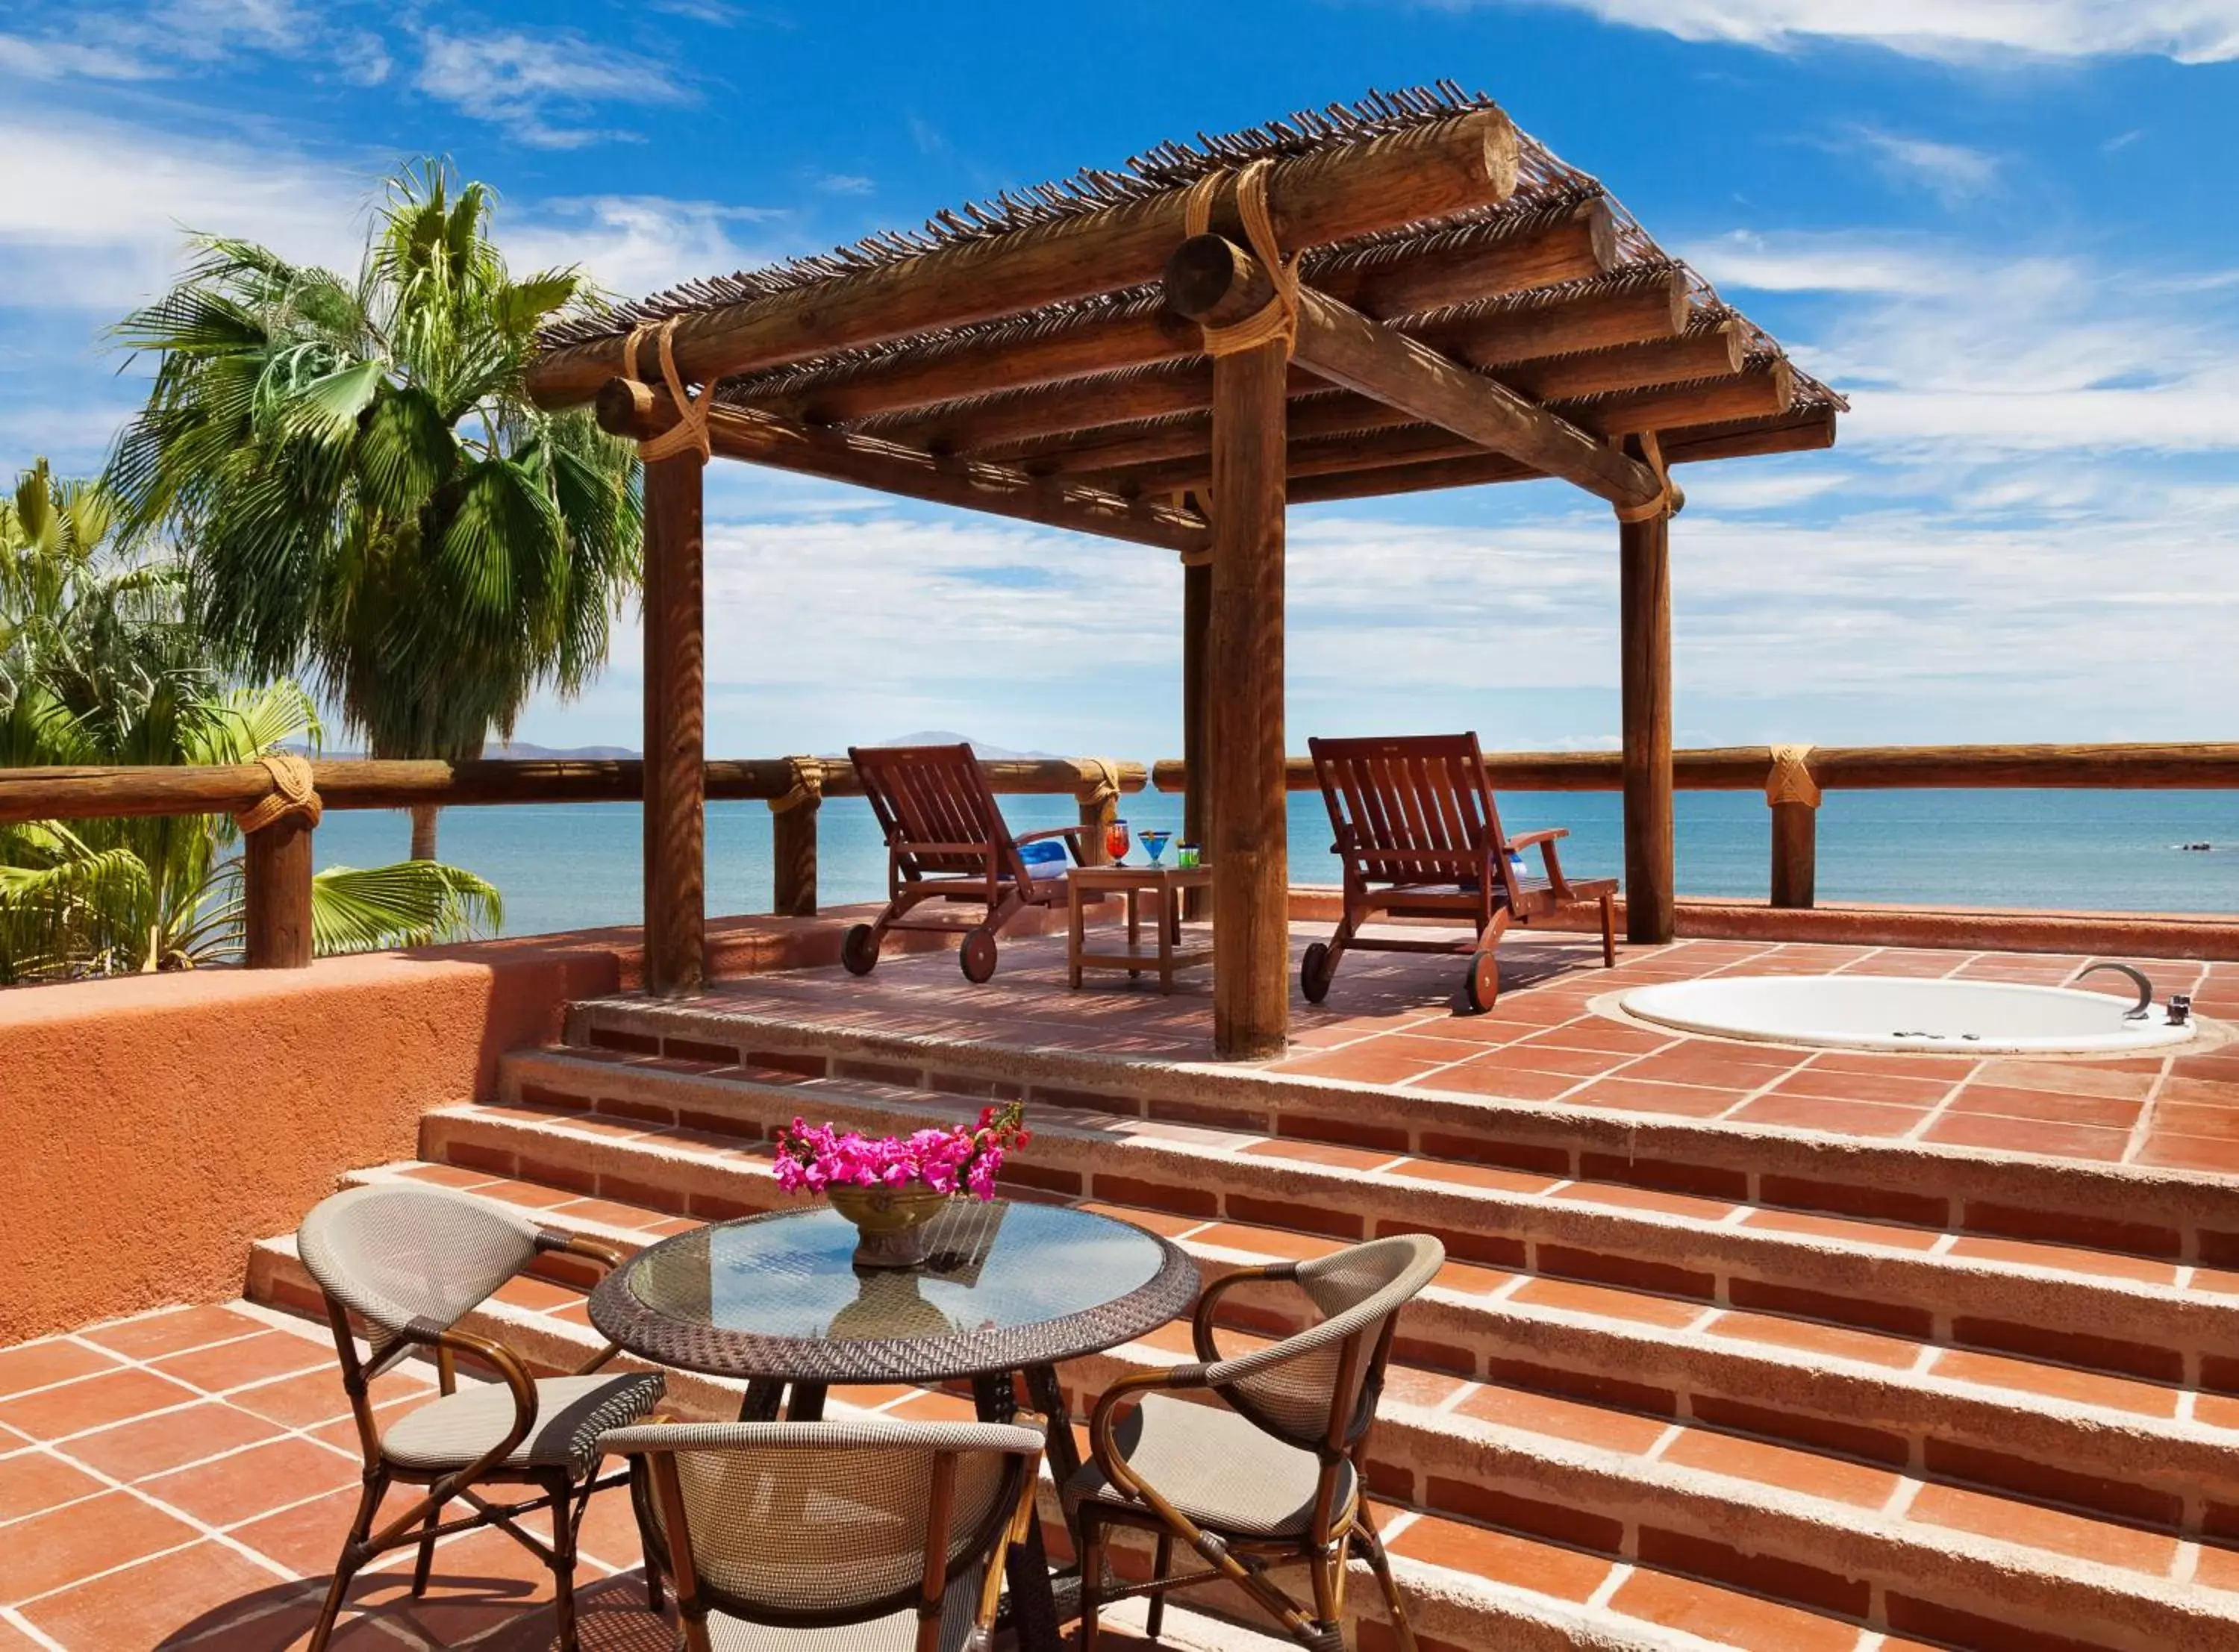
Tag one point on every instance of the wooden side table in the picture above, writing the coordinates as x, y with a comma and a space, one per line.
1132, 884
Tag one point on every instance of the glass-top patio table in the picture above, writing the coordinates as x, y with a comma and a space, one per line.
1009, 1290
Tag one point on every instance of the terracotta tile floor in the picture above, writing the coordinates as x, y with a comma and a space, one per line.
1390, 1021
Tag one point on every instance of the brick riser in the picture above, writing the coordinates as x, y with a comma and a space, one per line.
1630, 1350
1670, 1518
2194, 1216
1451, 1613
1595, 1234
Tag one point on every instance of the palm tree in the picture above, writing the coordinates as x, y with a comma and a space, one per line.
98, 664
364, 493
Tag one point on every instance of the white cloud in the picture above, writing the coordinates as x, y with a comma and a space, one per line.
93, 215
533, 83
634, 245
1951, 172
1957, 357
1829, 262
23, 58
2189, 31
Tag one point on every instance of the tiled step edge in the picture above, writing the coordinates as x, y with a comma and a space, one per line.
1817, 1554
1452, 1610
2194, 1216
2178, 1475
2140, 1329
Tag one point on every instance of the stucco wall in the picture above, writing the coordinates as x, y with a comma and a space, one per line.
152, 1127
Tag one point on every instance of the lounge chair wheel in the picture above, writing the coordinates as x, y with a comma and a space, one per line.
1483, 985
859, 951
1314, 972
976, 958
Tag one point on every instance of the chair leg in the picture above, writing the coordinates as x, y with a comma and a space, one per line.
563, 1561
1609, 932
1161, 1565
346, 1568
427, 1561
1394, 1602
1091, 1576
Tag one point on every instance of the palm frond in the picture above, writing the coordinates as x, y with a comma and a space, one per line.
407, 904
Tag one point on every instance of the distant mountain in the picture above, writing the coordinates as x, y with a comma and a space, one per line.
981, 748
519, 751
515, 750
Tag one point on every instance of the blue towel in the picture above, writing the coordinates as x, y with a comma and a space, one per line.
1049, 855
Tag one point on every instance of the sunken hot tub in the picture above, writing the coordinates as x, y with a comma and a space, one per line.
1896, 1013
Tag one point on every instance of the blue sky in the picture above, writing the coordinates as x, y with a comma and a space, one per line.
2003, 227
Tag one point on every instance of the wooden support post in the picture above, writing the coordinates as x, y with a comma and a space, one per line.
275, 871
675, 742
1645, 604
1249, 847
793, 850
1795, 854
1196, 613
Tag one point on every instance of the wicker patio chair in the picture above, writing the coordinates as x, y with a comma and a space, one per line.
833, 1536
1274, 1477
409, 1262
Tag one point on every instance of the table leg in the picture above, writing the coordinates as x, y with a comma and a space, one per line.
808, 1403
1032, 1602
762, 1402
1166, 942
1075, 910
1134, 925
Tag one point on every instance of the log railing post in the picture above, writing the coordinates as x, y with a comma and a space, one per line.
793, 846
675, 744
1099, 807
275, 866
275, 871
1793, 797
1645, 605
1197, 613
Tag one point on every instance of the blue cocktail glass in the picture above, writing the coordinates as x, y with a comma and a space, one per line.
1154, 843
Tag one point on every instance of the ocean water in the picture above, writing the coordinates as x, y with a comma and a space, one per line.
574, 865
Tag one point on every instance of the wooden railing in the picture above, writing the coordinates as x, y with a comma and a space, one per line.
1863, 768
277, 858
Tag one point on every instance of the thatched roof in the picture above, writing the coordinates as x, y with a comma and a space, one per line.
1577, 256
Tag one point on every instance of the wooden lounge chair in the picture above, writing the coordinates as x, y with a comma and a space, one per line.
945, 841
1421, 837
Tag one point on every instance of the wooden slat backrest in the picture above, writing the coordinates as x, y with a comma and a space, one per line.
1410, 809
924, 794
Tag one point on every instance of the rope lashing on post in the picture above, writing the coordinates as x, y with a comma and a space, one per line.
1104, 788
1279, 317
807, 784
1790, 780
1666, 495
689, 432
292, 793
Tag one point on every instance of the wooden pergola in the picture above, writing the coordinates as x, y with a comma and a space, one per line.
1403, 295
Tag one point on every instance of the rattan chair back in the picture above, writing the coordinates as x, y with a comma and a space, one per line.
401, 1255
1318, 1390
825, 1524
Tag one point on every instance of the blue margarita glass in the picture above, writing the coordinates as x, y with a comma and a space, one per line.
1154, 843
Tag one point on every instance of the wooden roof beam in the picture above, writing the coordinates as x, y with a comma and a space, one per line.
1805, 432
1374, 427
1432, 171
627, 408
1017, 426
1215, 283
1579, 244
1713, 353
